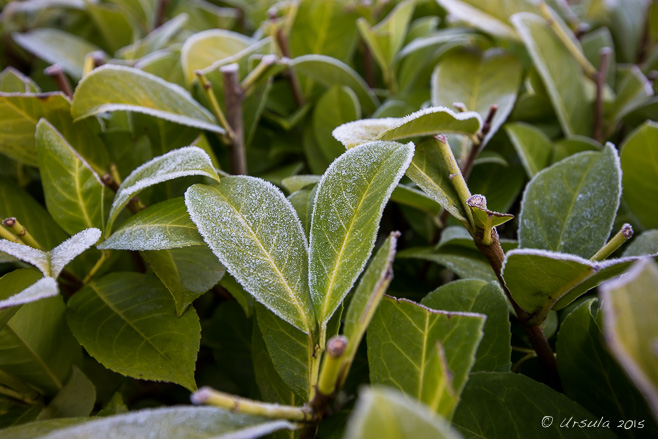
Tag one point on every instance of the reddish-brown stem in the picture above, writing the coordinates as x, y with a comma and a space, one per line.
233, 96
160, 13
282, 41
368, 66
56, 72
600, 86
476, 147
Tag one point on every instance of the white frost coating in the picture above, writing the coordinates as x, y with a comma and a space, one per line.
174, 423
361, 131
43, 288
26, 253
478, 18
566, 257
72, 247
256, 234
344, 222
182, 162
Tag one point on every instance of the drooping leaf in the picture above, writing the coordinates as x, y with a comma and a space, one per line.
387, 414
187, 272
478, 80
16, 289
492, 402
73, 191
429, 353
349, 203
170, 422
427, 122
290, 350
534, 148
639, 163
178, 163
37, 348
561, 73
162, 226
57, 47
541, 280
471, 295
41, 289
76, 399
592, 377
255, 233
570, 206
118, 88
136, 335
206, 48
429, 171
630, 327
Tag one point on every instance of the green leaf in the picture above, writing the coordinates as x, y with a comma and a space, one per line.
118, 88
427, 355
15, 282
645, 244
521, 407
570, 206
592, 377
13, 81
471, 295
291, 352
157, 39
413, 197
73, 191
633, 90
427, 122
255, 233
136, 335
573, 145
387, 37
484, 218
534, 148
329, 72
161, 226
187, 272
492, 16
37, 348
368, 293
429, 171
303, 201
323, 28
181, 162
385, 413
76, 399
349, 203
170, 422
639, 163
540, 280
113, 24
560, 72
51, 263
466, 263
299, 182
336, 106
211, 47
478, 80
630, 326
57, 47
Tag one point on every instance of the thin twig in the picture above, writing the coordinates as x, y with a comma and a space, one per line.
368, 66
282, 41
57, 73
160, 13
233, 96
600, 86
478, 142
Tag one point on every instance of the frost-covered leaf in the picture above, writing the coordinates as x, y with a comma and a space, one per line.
13, 81
471, 295
28, 254
255, 233
290, 350
187, 272
36, 346
206, 48
138, 335
13, 288
492, 402
589, 373
117, 88
633, 90
533, 147
644, 244
349, 203
167, 422
385, 413
429, 171
161, 226
478, 80
427, 122
181, 162
570, 206
541, 280
41, 289
329, 71
57, 47
630, 326
429, 353
73, 191
561, 73
639, 163
467, 263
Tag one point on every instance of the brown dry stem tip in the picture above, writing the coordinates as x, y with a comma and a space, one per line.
9, 222
336, 346
627, 231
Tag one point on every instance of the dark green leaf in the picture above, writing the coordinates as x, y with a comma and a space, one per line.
75, 400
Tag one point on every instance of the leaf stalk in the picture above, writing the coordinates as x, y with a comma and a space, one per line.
624, 234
